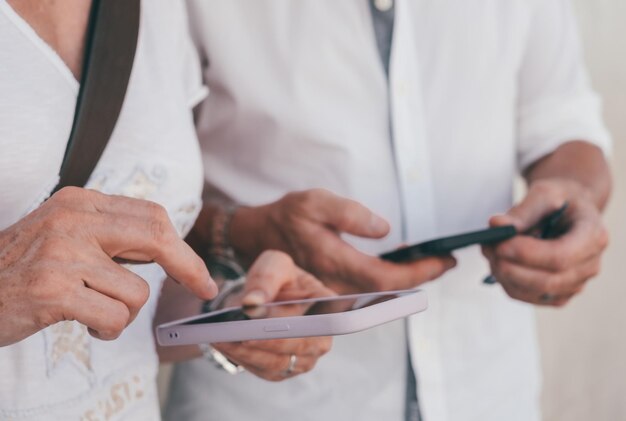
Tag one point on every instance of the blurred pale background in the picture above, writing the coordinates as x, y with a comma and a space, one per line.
584, 345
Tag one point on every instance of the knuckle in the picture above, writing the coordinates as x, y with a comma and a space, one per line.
156, 211
561, 302
559, 261
160, 231
325, 346
596, 267
554, 284
291, 200
276, 365
347, 218
603, 238
139, 296
310, 198
115, 323
503, 270
67, 194
58, 218
44, 318
161, 228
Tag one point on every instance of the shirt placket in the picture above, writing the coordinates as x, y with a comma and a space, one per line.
413, 163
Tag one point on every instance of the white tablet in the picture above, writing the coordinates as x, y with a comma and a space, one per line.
326, 316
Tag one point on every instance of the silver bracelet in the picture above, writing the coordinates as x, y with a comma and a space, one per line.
209, 353
219, 360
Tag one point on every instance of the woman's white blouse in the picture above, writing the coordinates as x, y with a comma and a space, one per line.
62, 372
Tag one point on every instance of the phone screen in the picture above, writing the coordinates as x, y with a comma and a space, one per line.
310, 307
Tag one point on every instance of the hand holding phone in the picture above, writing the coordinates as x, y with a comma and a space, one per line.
549, 227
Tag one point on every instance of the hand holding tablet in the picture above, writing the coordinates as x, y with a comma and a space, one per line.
324, 316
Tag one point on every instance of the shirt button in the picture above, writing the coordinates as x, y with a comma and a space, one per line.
383, 5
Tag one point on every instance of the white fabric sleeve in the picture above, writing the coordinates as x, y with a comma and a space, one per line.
556, 102
194, 88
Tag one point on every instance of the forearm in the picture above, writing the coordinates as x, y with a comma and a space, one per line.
579, 163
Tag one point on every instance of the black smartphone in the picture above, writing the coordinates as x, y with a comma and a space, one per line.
446, 245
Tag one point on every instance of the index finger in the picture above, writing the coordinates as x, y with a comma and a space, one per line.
153, 239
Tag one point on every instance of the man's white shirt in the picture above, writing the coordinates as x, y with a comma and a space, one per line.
477, 91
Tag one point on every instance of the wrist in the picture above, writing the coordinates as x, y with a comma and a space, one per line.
568, 190
245, 233
212, 234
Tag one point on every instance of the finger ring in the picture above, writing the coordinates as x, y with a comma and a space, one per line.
293, 360
547, 298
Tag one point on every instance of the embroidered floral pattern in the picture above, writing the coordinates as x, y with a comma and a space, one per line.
69, 342
143, 185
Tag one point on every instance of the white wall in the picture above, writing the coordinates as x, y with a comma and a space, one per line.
584, 345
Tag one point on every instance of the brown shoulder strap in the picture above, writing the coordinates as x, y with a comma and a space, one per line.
110, 47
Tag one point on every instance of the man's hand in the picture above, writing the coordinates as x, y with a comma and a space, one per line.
549, 272
274, 277
57, 263
308, 226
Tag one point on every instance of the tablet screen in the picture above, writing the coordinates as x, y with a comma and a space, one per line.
327, 305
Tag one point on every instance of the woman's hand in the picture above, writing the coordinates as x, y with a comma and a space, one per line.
57, 263
274, 277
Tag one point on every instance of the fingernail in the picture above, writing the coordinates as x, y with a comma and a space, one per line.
254, 298
378, 224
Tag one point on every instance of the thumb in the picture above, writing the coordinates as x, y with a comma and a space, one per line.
530, 211
267, 276
348, 216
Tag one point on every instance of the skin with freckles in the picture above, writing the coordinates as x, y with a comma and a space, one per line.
58, 263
